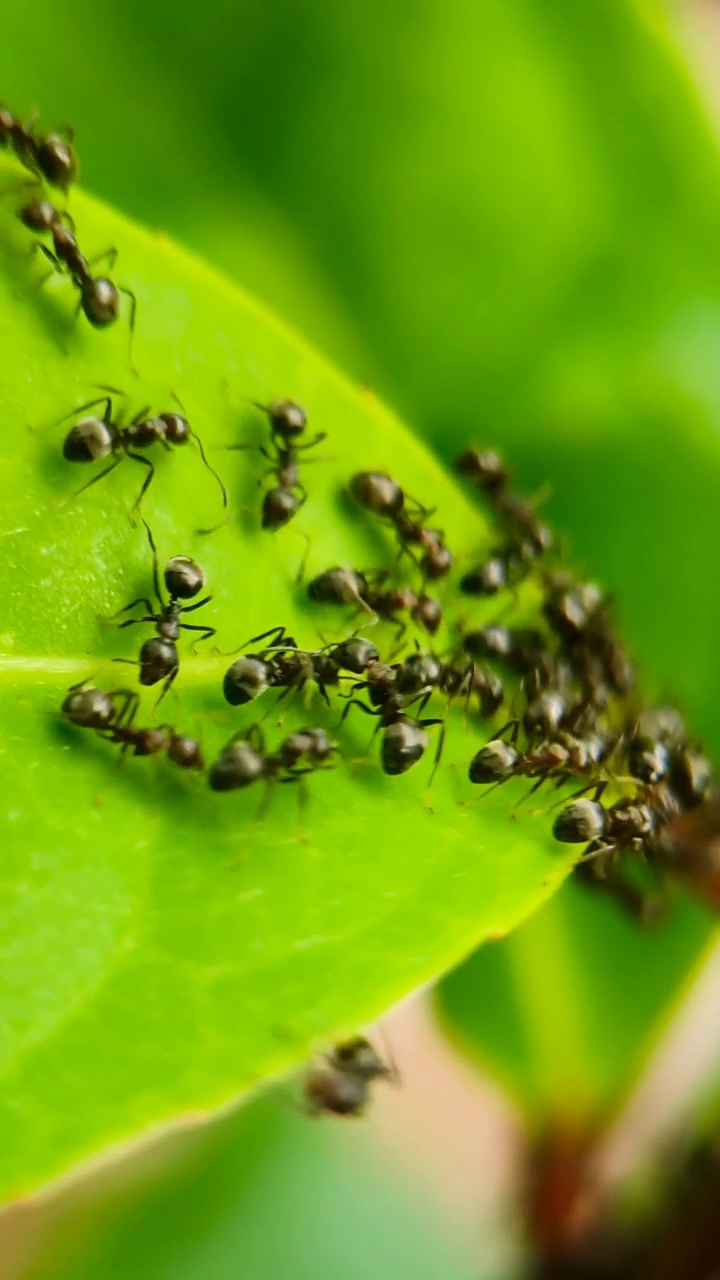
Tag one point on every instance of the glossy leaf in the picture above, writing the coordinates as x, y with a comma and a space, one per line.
166, 948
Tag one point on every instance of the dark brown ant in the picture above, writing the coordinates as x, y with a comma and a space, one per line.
559, 758
379, 493
112, 714
339, 586
342, 1086
243, 760
483, 468
288, 421
159, 658
94, 438
99, 297
404, 739
49, 156
520, 650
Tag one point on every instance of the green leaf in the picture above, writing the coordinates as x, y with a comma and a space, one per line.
566, 1010
249, 1196
165, 948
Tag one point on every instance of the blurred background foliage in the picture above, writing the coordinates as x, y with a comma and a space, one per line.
504, 217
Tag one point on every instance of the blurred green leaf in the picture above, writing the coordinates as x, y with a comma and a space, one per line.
566, 1010
260, 1195
167, 947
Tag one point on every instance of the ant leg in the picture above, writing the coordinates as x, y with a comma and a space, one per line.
514, 727
280, 634
310, 444
213, 472
133, 316
535, 787
596, 787
110, 254
208, 632
355, 702
137, 457
190, 608
166, 685
153, 551
101, 474
438, 753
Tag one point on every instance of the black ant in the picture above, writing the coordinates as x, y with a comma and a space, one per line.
182, 750
49, 156
288, 421
404, 739
378, 492
94, 438
283, 664
342, 1086
112, 714
529, 538
243, 760
99, 297
159, 658
348, 586
625, 825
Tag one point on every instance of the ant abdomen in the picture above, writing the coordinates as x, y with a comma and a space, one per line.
245, 680
184, 578
403, 744
494, 762
89, 439
158, 657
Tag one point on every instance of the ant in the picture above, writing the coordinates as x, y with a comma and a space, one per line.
342, 1086
529, 538
288, 421
92, 708
99, 297
404, 739
378, 492
284, 664
94, 437
625, 825
243, 760
182, 750
50, 156
347, 586
159, 658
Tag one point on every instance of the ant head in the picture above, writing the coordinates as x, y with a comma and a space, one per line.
580, 822
238, 766
177, 428
100, 300
185, 752
279, 506
287, 418
493, 763
89, 439
183, 578
57, 161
